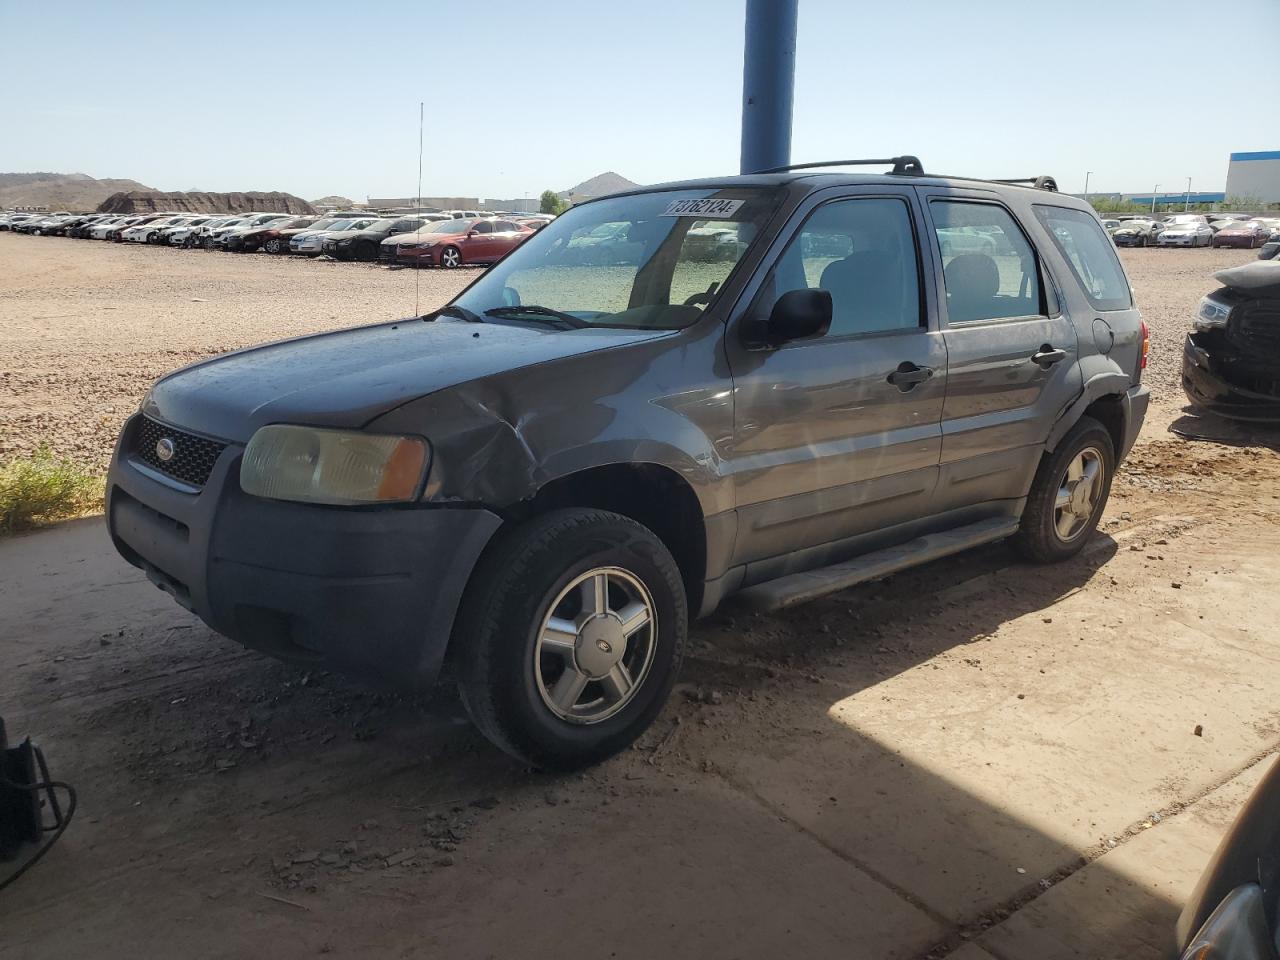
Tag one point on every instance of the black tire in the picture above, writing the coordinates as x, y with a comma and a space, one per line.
209, 243
1039, 537
365, 252
496, 639
274, 245
450, 257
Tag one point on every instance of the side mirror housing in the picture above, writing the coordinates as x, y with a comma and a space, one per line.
796, 315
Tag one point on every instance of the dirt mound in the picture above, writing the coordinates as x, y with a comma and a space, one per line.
154, 201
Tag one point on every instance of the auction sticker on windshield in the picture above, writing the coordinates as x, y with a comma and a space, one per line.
707, 209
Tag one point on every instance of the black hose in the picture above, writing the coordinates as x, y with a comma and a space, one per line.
60, 821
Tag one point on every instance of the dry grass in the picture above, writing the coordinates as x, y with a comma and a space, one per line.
41, 487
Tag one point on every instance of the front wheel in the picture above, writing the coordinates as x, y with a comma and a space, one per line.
570, 637
451, 257
1068, 495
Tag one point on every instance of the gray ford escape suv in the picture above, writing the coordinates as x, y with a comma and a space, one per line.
543, 481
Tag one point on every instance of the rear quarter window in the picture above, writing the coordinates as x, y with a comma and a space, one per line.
1091, 255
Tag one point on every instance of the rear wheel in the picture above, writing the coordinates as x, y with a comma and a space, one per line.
1068, 495
450, 257
570, 637
274, 245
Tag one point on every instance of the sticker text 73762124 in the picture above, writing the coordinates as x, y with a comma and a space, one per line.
704, 209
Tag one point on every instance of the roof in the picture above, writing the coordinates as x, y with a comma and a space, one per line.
1256, 155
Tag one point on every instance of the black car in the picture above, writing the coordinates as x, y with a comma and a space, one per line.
1231, 359
364, 244
1232, 913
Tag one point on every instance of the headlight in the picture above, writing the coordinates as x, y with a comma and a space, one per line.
345, 242
332, 466
1212, 315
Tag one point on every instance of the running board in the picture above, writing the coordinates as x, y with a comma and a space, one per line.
801, 587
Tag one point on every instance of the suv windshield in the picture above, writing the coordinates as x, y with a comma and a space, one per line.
652, 260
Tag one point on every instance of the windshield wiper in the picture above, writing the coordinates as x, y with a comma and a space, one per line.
453, 310
534, 312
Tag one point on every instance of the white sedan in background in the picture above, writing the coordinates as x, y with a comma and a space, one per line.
1185, 230
150, 232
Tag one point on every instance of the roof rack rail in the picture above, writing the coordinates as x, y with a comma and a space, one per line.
903, 165
1040, 183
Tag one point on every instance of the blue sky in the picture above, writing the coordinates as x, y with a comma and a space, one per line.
322, 97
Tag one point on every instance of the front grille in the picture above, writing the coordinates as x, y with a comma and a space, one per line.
193, 457
1254, 331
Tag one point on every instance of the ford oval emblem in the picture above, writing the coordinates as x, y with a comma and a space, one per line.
165, 449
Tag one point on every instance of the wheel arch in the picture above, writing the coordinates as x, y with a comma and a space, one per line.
651, 494
1103, 399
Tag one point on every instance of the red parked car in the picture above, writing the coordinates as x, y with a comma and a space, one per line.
1249, 234
455, 243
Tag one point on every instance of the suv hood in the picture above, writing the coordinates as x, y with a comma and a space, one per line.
346, 378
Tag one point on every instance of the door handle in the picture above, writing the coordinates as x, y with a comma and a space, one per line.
1047, 356
908, 375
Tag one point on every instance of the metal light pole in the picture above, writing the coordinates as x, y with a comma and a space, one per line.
1187, 205
1087, 175
1154, 191
768, 83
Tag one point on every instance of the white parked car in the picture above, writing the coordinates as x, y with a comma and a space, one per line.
149, 232
1185, 230
104, 230
187, 234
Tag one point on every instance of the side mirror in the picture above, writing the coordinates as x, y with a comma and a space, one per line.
798, 315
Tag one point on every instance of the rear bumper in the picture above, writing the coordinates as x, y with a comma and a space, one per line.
1136, 401
368, 592
1206, 386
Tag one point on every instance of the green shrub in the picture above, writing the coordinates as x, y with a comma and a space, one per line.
39, 487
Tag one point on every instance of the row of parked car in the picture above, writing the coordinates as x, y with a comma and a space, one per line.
447, 239
1193, 230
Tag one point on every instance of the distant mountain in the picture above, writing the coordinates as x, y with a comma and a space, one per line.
333, 200
599, 186
77, 192
153, 201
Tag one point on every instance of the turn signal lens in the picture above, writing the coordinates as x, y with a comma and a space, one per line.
312, 465
1146, 344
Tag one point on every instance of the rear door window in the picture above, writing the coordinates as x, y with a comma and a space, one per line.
989, 267
1092, 257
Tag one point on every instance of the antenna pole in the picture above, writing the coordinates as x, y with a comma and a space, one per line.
418, 197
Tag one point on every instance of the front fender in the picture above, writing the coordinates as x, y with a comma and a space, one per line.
497, 440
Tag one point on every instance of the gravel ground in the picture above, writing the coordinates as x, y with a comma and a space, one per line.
85, 327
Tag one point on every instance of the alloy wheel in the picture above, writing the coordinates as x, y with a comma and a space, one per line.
451, 257
595, 645
1078, 494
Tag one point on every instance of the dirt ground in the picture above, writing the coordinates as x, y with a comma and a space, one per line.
975, 759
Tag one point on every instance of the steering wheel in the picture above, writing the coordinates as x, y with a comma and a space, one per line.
703, 298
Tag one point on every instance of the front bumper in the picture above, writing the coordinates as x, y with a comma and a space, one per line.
1164, 241
1206, 385
1129, 240
368, 592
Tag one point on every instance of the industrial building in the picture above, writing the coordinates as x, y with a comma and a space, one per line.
1256, 175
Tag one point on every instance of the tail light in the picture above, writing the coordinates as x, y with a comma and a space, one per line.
1146, 347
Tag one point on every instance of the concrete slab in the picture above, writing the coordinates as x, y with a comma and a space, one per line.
1124, 904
